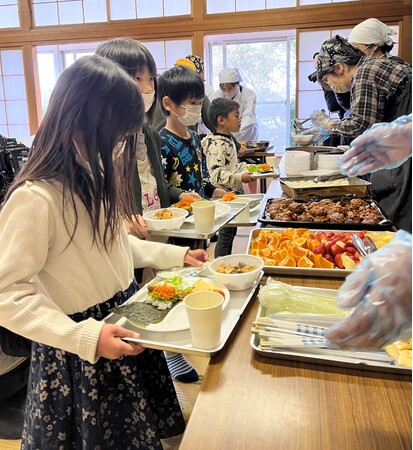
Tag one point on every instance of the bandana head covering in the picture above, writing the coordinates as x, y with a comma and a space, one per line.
336, 50
372, 31
229, 75
198, 63
185, 62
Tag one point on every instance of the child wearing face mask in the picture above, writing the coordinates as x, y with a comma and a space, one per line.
149, 185
181, 92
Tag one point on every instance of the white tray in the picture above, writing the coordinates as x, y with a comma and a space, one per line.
254, 212
332, 359
180, 341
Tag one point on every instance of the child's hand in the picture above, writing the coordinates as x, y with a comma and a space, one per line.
195, 257
110, 345
137, 227
246, 177
189, 194
219, 192
242, 151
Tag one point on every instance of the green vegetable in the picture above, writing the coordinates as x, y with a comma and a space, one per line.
252, 168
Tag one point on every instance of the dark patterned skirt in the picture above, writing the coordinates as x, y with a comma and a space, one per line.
126, 403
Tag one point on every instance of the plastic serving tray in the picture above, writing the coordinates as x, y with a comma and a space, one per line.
180, 341
324, 356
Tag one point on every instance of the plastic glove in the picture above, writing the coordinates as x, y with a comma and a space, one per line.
383, 146
320, 119
318, 136
380, 289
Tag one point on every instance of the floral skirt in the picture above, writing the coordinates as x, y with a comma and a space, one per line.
122, 404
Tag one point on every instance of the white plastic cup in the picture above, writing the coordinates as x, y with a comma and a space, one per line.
204, 216
204, 310
273, 161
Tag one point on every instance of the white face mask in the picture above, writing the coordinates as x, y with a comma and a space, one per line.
232, 93
148, 100
192, 115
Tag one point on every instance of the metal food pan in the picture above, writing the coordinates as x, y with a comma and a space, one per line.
384, 225
356, 187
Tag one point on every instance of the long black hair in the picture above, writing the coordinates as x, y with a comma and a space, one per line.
133, 57
95, 104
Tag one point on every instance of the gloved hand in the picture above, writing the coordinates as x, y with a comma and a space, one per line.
319, 135
380, 290
383, 146
320, 119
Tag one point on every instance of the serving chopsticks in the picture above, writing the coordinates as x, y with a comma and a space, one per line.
279, 335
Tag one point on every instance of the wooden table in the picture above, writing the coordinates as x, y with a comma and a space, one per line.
254, 403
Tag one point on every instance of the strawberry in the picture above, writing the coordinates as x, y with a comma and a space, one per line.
328, 246
350, 250
328, 257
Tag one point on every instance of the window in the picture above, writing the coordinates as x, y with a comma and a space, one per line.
225, 6
9, 14
267, 65
14, 120
52, 60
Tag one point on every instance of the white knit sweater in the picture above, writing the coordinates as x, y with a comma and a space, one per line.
43, 277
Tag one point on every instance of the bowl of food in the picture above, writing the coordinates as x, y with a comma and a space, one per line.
165, 219
236, 272
302, 139
258, 145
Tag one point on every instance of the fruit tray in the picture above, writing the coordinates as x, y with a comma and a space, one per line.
327, 272
384, 224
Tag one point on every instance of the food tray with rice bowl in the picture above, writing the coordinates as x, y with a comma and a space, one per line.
345, 212
291, 322
180, 341
302, 187
307, 252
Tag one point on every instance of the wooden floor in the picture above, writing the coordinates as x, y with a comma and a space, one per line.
187, 393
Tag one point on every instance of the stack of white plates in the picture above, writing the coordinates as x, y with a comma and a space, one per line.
297, 162
327, 161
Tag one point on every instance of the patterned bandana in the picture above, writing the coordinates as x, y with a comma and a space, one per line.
335, 50
198, 63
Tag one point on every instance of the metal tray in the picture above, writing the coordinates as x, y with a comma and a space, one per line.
357, 187
180, 341
385, 225
300, 271
326, 356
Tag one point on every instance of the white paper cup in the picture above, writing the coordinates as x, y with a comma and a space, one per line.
204, 309
273, 161
204, 215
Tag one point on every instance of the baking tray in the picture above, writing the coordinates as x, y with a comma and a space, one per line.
385, 225
180, 341
357, 187
324, 356
300, 271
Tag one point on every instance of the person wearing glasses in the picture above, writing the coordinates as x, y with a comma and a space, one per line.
380, 91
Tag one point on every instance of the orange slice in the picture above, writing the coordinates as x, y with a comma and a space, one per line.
269, 262
322, 263
299, 252
257, 245
286, 244
266, 252
288, 261
304, 262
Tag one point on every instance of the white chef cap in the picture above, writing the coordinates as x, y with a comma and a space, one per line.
372, 31
229, 75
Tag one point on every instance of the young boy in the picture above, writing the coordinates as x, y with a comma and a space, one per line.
181, 92
222, 162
